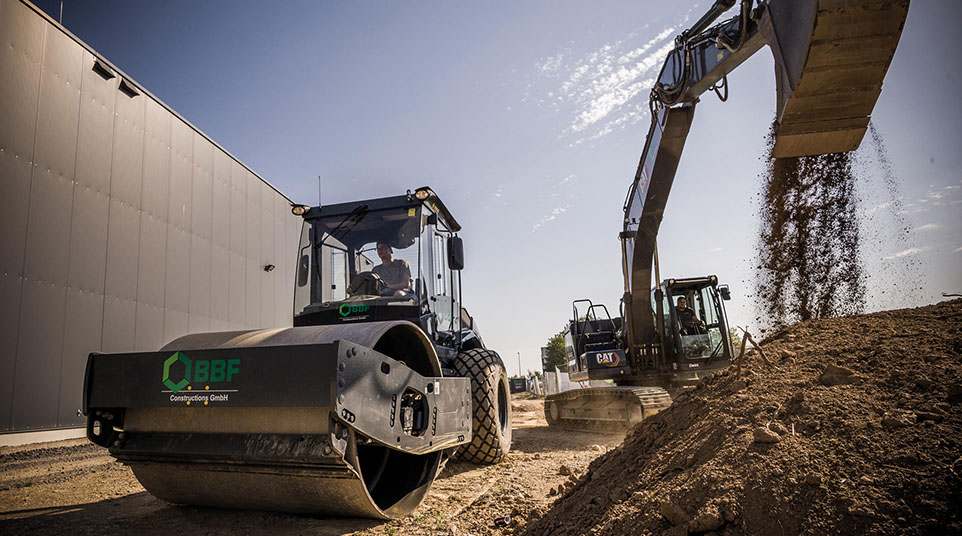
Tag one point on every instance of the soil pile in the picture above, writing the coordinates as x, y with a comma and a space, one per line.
809, 265
857, 431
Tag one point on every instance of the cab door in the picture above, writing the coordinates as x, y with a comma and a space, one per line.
443, 302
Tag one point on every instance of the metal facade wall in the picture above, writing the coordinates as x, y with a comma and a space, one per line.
121, 225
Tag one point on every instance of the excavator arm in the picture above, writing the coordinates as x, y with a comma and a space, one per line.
830, 59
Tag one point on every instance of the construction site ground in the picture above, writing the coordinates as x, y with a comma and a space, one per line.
843, 426
75, 487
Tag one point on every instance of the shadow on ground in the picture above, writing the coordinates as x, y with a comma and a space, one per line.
143, 514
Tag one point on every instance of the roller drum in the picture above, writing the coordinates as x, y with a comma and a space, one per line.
311, 456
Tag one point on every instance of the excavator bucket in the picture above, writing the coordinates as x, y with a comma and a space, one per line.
830, 59
347, 420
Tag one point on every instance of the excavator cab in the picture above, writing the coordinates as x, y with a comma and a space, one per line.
693, 323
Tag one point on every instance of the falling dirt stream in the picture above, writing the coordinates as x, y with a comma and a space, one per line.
809, 264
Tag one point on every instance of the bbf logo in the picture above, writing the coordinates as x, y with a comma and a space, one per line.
200, 370
351, 308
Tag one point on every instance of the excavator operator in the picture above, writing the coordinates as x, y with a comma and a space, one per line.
690, 324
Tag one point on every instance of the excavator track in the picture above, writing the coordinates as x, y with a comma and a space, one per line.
604, 409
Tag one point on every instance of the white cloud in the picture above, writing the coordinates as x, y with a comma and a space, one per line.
905, 253
881, 206
555, 212
606, 89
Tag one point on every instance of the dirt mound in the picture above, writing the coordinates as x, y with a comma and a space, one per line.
858, 430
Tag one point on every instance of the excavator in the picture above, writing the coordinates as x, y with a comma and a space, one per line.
831, 57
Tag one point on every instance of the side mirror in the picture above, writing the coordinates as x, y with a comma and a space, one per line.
725, 293
303, 269
455, 253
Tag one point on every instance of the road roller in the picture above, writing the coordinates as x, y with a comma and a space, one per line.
352, 411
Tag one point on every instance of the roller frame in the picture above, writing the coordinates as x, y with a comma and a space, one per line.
295, 417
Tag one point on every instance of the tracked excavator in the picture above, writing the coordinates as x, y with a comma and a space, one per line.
830, 59
350, 412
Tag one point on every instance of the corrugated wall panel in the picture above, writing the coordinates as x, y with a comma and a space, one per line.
152, 254
220, 259
219, 285
267, 257
199, 309
36, 383
123, 224
119, 316
150, 328
151, 275
82, 334
177, 282
253, 256
177, 286
88, 235
41, 333
220, 208
200, 239
237, 293
51, 186
284, 277
87, 261
123, 242
181, 162
201, 187
151, 279
22, 37
156, 166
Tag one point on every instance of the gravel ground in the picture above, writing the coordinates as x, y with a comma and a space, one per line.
75, 487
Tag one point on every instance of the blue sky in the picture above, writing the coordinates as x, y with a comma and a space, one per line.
528, 119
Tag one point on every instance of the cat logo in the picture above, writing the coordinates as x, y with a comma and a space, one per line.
608, 359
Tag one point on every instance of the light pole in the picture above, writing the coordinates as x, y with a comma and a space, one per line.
520, 374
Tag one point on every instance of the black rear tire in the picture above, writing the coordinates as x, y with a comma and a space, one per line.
491, 407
